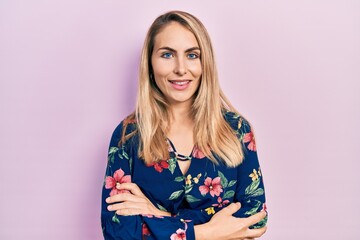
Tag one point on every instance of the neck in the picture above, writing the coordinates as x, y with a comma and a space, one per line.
181, 126
180, 113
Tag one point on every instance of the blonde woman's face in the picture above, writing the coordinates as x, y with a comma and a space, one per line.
176, 64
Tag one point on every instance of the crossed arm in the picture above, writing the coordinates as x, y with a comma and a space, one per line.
221, 226
127, 215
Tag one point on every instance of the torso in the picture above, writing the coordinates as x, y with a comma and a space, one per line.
174, 185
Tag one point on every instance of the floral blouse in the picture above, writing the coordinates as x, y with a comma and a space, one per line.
192, 198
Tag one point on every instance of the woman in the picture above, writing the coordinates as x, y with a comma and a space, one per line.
153, 189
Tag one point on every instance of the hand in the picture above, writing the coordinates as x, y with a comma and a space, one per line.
132, 203
226, 227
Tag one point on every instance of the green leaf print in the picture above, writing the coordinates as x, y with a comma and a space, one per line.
254, 209
232, 183
176, 195
188, 188
115, 219
179, 179
111, 154
126, 156
172, 165
111, 158
161, 207
224, 181
229, 194
252, 187
257, 192
191, 199
120, 155
113, 150
261, 223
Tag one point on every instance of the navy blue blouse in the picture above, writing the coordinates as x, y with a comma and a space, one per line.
192, 198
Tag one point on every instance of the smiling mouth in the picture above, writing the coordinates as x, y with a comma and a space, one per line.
180, 82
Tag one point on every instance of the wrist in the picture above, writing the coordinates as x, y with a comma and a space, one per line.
166, 214
202, 232
163, 213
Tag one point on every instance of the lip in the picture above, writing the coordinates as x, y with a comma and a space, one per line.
180, 87
179, 80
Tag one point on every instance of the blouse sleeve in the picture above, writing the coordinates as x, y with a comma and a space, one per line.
198, 216
137, 227
250, 188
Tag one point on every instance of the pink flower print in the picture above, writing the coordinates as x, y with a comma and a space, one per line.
159, 166
179, 235
264, 208
113, 182
197, 153
211, 185
250, 138
221, 203
145, 230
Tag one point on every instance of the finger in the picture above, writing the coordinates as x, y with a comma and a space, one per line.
122, 197
125, 205
255, 218
132, 187
256, 233
129, 212
231, 208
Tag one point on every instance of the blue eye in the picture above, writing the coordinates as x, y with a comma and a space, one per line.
193, 56
167, 55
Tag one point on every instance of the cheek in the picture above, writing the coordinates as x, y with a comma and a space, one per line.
196, 69
161, 68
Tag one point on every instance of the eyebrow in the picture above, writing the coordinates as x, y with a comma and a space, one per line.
173, 50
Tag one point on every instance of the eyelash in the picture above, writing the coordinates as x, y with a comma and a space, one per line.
196, 56
164, 55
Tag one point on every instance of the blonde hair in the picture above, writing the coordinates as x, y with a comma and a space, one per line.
212, 134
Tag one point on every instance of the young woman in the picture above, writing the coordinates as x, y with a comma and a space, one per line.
184, 164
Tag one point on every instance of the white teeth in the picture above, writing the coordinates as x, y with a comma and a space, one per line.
180, 83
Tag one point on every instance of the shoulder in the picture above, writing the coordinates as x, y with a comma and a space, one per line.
243, 129
237, 122
125, 128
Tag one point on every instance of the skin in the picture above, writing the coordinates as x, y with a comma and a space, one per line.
176, 56
221, 226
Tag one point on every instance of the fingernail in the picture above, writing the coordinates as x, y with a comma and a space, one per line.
109, 207
107, 200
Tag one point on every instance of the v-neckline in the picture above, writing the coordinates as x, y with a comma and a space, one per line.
190, 157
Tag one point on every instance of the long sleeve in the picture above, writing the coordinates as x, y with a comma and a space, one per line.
250, 188
115, 227
117, 171
198, 216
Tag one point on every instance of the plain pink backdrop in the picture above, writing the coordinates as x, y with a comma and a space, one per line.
68, 74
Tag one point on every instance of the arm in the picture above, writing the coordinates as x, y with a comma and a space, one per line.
250, 189
132, 226
249, 221
223, 225
117, 171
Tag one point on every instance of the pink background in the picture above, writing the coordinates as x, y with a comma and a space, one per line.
68, 76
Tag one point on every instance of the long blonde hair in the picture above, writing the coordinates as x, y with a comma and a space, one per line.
212, 134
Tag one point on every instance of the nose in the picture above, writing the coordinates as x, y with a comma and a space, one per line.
180, 66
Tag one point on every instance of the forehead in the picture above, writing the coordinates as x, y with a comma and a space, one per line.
175, 35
